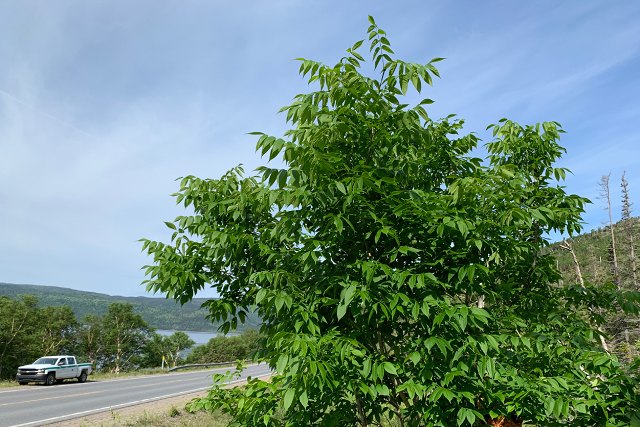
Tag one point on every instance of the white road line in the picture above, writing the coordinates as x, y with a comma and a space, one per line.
122, 405
106, 408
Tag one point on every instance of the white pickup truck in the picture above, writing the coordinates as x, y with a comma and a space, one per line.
51, 369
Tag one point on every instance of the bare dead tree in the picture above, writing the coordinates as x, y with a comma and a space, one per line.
605, 195
566, 245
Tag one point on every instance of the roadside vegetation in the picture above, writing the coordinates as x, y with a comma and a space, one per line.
224, 349
172, 417
119, 342
176, 417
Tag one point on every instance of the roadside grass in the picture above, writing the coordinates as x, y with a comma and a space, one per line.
173, 417
8, 383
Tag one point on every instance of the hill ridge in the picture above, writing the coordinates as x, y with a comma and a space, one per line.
158, 312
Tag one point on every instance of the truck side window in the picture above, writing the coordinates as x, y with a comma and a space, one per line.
71, 360
62, 361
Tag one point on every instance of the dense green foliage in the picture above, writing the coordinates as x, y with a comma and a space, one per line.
159, 313
399, 278
167, 350
124, 334
227, 348
27, 332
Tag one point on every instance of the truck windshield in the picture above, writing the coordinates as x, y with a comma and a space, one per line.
45, 361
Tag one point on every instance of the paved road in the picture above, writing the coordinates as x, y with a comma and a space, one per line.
36, 405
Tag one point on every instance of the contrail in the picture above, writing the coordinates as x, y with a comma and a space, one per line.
48, 115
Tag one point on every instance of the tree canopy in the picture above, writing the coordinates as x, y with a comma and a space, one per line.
398, 276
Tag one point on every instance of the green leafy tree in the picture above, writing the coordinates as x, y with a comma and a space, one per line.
227, 348
177, 343
170, 348
125, 335
56, 330
398, 277
28, 332
17, 331
91, 343
154, 351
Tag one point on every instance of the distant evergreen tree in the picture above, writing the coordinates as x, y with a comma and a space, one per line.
605, 195
628, 230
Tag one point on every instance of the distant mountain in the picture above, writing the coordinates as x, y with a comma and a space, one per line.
159, 313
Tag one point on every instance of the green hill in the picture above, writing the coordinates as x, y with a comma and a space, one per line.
159, 313
594, 255
593, 251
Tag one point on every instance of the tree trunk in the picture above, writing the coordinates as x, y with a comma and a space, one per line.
361, 415
505, 422
628, 228
632, 255
566, 245
605, 194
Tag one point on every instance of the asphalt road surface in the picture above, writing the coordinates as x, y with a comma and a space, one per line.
36, 405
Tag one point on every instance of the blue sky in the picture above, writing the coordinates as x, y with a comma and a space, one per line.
103, 104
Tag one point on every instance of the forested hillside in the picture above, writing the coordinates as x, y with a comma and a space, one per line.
159, 313
594, 252
604, 259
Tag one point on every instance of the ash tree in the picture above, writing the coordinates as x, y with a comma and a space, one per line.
400, 279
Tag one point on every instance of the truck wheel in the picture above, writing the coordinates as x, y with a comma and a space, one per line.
83, 377
51, 378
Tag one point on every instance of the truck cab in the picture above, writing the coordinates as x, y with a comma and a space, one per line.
51, 369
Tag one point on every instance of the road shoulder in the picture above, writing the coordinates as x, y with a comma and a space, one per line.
128, 415
155, 413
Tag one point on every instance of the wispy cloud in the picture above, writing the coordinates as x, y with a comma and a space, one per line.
44, 114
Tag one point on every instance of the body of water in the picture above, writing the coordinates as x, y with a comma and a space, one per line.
198, 337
